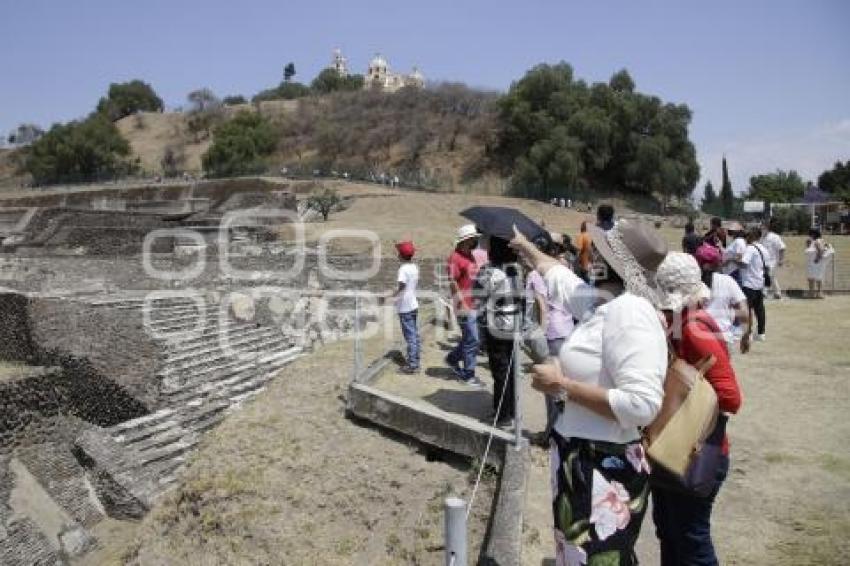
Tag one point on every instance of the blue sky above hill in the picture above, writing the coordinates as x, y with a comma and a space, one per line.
767, 80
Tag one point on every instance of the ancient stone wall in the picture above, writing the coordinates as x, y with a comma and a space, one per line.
99, 346
49, 273
216, 190
15, 343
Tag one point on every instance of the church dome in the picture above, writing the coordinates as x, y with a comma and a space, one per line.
378, 62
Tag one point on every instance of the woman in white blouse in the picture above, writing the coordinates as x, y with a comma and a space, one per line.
610, 373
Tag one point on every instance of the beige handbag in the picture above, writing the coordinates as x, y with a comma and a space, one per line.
687, 417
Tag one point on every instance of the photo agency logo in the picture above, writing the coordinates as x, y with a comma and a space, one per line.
228, 286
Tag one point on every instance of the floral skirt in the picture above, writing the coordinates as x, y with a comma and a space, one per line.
599, 495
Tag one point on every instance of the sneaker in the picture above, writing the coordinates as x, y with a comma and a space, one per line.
760, 338
473, 382
455, 367
408, 370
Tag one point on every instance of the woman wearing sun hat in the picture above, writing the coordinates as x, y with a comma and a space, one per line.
683, 520
610, 374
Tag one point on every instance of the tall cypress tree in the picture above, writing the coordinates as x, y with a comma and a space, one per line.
727, 199
709, 198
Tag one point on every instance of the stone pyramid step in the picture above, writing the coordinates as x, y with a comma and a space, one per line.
216, 342
251, 349
220, 383
210, 334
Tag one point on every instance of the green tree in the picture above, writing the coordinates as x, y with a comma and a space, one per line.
239, 146
90, 150
709, 198
284, 91
288, 72
622, 81
557, 134
124, 99
727, 197
780, 186
233, 100
837, 181
329, 80
324, 201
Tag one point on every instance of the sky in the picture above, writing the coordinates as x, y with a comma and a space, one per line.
768, 81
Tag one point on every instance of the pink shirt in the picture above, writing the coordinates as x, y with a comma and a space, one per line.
559, 322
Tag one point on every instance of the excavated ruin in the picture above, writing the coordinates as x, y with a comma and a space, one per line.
115, 373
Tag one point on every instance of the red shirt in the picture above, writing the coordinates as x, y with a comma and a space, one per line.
462, 270
700, 337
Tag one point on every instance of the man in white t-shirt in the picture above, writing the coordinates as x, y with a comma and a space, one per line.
775, 247
753, 263
407, 305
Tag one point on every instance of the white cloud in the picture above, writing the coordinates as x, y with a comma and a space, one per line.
809, 153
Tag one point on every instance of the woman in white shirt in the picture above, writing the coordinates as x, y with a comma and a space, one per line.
728, 304
818, 254
610, 373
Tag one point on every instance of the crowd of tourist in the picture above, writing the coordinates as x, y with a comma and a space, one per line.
612, 311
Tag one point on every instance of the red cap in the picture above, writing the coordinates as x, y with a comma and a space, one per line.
405, 249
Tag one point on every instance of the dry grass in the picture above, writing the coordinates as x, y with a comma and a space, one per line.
432, 219
289, 480
150, 133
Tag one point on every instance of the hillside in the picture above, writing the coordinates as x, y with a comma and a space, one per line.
435, 137
151, 133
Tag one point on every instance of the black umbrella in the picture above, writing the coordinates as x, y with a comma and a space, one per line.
499, 221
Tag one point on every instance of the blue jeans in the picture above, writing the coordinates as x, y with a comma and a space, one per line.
410, 331
464, 354
683, 524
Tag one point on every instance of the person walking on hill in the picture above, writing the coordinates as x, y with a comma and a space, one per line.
683, 519
775, 247
753, 267
462, 272
407, 305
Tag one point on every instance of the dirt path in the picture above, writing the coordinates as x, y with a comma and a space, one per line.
289, 480
786, 499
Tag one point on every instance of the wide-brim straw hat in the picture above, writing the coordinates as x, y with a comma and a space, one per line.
634, 250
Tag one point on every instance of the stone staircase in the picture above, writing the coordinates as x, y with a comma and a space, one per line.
212, 362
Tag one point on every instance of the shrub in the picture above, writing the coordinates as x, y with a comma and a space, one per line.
124, 99
324, 201
79, 151
239, 146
